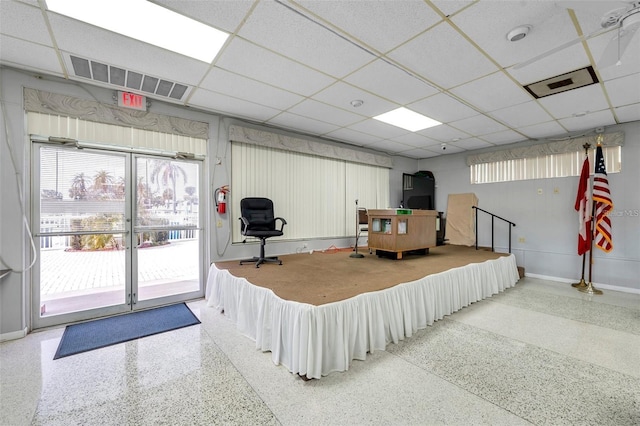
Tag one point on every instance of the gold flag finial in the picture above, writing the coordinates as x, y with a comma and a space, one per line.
599, 139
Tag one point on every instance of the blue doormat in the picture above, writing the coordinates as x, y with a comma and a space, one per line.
104, 332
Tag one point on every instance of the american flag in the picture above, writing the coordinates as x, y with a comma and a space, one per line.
602, 198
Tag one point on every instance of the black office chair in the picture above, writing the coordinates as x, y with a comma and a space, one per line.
258, 220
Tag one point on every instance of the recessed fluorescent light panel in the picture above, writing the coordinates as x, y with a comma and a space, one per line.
407, 119
147, 22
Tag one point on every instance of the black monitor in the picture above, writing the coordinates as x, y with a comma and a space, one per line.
418, 191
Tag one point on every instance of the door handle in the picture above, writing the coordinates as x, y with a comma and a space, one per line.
135, 299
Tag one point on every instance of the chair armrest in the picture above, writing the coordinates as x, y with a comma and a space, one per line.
284, 222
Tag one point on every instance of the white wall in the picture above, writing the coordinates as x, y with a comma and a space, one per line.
548, 221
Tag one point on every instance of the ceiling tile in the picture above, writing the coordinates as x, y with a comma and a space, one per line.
629, 61
341, 95
450, 149
584, 99
521, 115
254, 62
389, 146
419, 153
330, 53
326, 113
390, 82
221, 81
592, 120
353, 137
444, 133
33, 56
378, 128
542, 130
628, 113
24, 22
504, 137
381, 25
624, 90
443, 107
492, 92
450, 7
478, 125
304, 124
469, 144
442, 67
231, 106
415, 140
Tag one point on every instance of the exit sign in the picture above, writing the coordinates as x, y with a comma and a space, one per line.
133, 101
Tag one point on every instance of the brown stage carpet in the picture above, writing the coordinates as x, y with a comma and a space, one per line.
332, 276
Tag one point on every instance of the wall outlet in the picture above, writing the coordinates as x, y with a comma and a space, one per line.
219, 224
521, 239
304, 245
539, 191
556, 190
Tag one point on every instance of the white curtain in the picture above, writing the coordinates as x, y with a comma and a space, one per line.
315, 194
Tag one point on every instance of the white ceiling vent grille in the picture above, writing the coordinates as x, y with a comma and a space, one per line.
562, 83
127, 79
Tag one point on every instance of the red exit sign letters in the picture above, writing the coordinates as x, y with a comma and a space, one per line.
133, 101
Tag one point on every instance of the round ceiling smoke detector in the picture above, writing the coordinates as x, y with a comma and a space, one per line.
518, 33
357, 103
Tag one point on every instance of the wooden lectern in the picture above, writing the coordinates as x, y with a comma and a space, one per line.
400, 230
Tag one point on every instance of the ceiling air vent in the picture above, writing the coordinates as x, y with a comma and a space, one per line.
561, 83
127, 79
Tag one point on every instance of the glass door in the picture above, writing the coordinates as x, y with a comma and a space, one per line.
114, 232
167, 234
81, 232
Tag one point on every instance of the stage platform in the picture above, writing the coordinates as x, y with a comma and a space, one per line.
318, 312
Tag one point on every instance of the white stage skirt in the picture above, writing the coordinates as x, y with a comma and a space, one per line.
314, 341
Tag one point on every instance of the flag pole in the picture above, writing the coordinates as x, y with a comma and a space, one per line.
590, 289
582, 283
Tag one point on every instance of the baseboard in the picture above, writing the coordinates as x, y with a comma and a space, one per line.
597, 285
13, 335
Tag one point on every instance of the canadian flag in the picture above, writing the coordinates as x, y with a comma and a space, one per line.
583, 206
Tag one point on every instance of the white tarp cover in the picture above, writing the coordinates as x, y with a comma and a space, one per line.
460, 224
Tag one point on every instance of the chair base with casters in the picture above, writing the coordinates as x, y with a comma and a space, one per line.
259, 260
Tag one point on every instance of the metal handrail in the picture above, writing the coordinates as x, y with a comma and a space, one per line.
493, 216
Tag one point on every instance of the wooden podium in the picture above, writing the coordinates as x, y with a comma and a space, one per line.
400, 230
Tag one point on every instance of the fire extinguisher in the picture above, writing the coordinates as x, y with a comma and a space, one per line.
220, 197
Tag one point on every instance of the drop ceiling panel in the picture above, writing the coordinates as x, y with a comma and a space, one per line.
418, 153
378, 128
444, 133
628, 113
629, 61
415, 140
451, 7
231, 106
221, 81
525, 114
443, 107
592, 120
565, 104
430, 55
624, 90
353, 137
390, 82
542, 130
504, 137
469, 144
329, 53
303, 124
124, 52
326, 113
567, 60
19, 53
260, 64
478, 125
545, 17
389, 146
341, 94
492, 92
24, 22
381, 25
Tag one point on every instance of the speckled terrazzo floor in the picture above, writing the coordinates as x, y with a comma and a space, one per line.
540, 353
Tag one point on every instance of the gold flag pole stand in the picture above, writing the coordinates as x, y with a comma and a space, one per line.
582, 283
